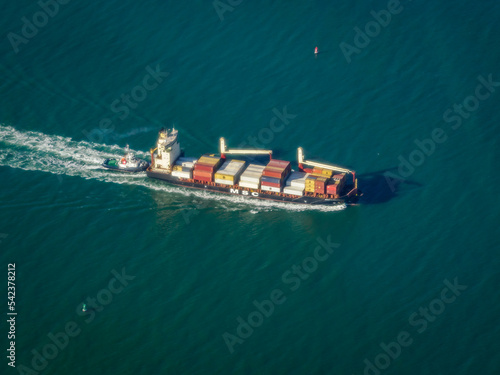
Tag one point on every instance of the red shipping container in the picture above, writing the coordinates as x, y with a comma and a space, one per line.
319, 189
272, 184
339, 177
320, 183
273, 173
204, 167
276, 172
279, 163
332, 189
202, 175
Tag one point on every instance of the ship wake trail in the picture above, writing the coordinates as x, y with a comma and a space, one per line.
34, 151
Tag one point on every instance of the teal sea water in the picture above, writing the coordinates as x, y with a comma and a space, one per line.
380, 301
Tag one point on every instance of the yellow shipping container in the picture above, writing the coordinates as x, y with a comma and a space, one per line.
327, 172
226, 177
322, 172
177, 168
208, 161
310, 189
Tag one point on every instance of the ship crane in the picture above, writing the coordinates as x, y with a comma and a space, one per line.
335, 168
236, 151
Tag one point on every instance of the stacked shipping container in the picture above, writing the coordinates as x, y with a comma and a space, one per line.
320, 185
270, 184
183, 172
336, 185
274, 174
277, 169
229, 173
310, 183
315, 184
183, 167
296, 183
205, 168
250, 178
333, 188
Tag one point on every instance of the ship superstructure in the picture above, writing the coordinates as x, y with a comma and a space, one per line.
167, 150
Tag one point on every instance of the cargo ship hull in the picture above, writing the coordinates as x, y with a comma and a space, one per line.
252, 193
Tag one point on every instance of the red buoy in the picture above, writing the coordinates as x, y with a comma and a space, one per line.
316, 51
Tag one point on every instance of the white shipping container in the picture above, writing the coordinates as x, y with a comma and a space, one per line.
182, 174
270, 188
253, 180
298, 184
293, 191
255, 167
233, 164
252, 173
224, 165
232, 168
185, 164
223, 182
297, 179
298, 175
250, 185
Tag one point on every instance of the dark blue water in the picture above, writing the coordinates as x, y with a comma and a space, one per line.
405, 283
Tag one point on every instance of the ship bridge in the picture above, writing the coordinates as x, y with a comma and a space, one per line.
167, 149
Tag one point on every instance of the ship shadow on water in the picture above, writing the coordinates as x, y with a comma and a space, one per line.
382, 186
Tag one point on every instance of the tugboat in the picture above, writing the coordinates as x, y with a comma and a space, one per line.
128, 163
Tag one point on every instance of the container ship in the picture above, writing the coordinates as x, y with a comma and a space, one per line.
312, 183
